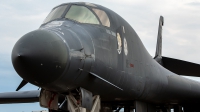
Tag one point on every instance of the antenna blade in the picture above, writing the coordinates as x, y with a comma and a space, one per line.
22, 84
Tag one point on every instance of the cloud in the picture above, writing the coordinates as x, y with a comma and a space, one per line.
180, 31
194, 4
6, 44
30, 18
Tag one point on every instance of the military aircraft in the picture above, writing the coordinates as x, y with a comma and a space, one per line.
85, 57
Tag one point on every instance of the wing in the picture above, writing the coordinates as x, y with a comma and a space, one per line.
181, 67
20, 97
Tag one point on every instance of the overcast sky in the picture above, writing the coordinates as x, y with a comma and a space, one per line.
181, 31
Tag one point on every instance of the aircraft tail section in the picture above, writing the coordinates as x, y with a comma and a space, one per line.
179, 67
158, 54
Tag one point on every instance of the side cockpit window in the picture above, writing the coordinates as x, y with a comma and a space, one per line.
55, 13
102, 16
81, 14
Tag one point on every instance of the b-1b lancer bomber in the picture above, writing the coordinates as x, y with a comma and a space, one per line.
85, 57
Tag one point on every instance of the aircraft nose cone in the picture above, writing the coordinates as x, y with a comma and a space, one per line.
40, 57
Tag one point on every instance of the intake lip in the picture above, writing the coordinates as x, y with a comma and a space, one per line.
40, 57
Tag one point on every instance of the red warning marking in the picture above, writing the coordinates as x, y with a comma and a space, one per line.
131, 65
51, 100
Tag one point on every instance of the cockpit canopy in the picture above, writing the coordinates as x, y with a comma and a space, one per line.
79, 13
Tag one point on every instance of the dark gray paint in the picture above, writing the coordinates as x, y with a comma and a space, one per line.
93, 49
20, 97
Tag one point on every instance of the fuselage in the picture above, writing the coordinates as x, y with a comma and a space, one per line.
112, 50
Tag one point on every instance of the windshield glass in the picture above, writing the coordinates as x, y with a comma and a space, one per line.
102, 16
81, 14
55, 13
